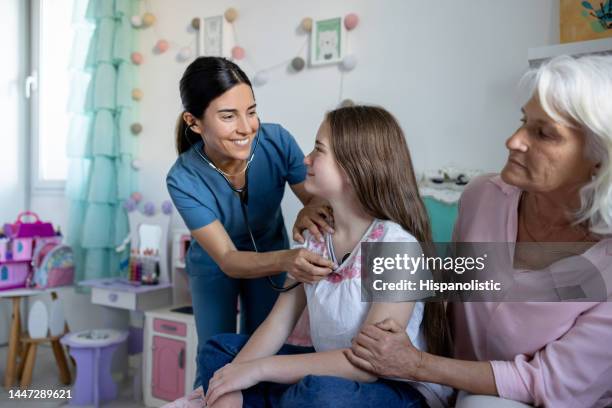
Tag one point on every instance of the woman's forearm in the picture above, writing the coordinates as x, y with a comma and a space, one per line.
249, 265
475, 377
290, 369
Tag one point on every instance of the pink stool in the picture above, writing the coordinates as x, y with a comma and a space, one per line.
93, 351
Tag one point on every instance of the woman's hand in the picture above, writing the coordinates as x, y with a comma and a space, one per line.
385, 350
306, 266
314, 218
232, 377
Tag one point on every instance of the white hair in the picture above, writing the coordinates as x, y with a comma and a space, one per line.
577, 92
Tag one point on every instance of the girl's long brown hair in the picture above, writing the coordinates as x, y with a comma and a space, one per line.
370, 147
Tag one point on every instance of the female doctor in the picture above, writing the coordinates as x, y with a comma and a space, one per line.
227, 185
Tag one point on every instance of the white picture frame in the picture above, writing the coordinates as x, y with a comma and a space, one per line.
327, 41
212, 37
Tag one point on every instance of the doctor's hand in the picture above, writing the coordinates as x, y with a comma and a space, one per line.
231, 378
315, 219
385, 349
305, 266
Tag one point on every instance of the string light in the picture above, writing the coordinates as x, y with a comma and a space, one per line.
262, 75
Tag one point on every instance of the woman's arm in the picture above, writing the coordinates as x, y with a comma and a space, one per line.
574, 370
303, 265
314, 217
385, 349
475, 377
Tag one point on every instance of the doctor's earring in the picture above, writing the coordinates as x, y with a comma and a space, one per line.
191, 128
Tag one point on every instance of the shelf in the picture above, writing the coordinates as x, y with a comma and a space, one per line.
538, 54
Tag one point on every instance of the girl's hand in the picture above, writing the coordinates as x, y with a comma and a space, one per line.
314, 218
385, 350
232, 377
306, 266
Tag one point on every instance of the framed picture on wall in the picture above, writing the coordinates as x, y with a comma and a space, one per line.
585, 20
213, 36
327, 41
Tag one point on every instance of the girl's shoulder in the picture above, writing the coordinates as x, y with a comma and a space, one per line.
380, 231
310, 243
389, 231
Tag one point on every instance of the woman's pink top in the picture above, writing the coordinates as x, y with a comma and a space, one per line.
551, 354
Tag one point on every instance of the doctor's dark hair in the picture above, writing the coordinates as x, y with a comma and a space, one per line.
370, 147
204, 80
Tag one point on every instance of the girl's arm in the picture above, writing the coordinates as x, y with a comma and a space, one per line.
292, 368
303, 265
244, 371
274, 331
247, 369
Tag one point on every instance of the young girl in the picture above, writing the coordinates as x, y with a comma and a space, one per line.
362, 166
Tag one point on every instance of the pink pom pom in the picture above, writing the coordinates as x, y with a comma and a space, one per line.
136, 196
137, 58
350, 21
237, 53
162, 46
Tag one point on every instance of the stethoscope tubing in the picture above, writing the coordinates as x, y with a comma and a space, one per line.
243, 197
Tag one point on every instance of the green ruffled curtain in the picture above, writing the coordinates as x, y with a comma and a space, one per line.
100, 143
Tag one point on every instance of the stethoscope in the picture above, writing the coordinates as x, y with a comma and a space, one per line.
243, 195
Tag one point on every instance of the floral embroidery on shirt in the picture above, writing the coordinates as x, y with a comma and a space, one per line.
352, 270
376, 233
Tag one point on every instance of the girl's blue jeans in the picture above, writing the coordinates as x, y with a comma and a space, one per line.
312, 390
215, 297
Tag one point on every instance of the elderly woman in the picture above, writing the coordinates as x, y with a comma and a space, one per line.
556, 186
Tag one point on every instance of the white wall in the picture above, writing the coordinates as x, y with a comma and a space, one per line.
12, 131
447, 70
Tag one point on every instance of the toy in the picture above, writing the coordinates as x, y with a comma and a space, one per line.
53, 265
20, 229
145, 261
20, 243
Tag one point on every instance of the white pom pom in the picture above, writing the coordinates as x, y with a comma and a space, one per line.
349, 62
184, 54
136, 21
261, 78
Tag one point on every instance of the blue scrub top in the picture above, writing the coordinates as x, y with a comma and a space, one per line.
201, 195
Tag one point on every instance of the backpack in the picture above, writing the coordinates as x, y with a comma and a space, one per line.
53, 265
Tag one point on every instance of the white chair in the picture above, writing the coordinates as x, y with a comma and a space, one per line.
43, 327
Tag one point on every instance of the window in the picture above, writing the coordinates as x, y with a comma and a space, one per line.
49, 87
13, 126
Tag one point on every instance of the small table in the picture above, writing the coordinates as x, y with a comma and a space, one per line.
13, 343
123, 294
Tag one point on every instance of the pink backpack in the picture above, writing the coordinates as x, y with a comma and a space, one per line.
53, 265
